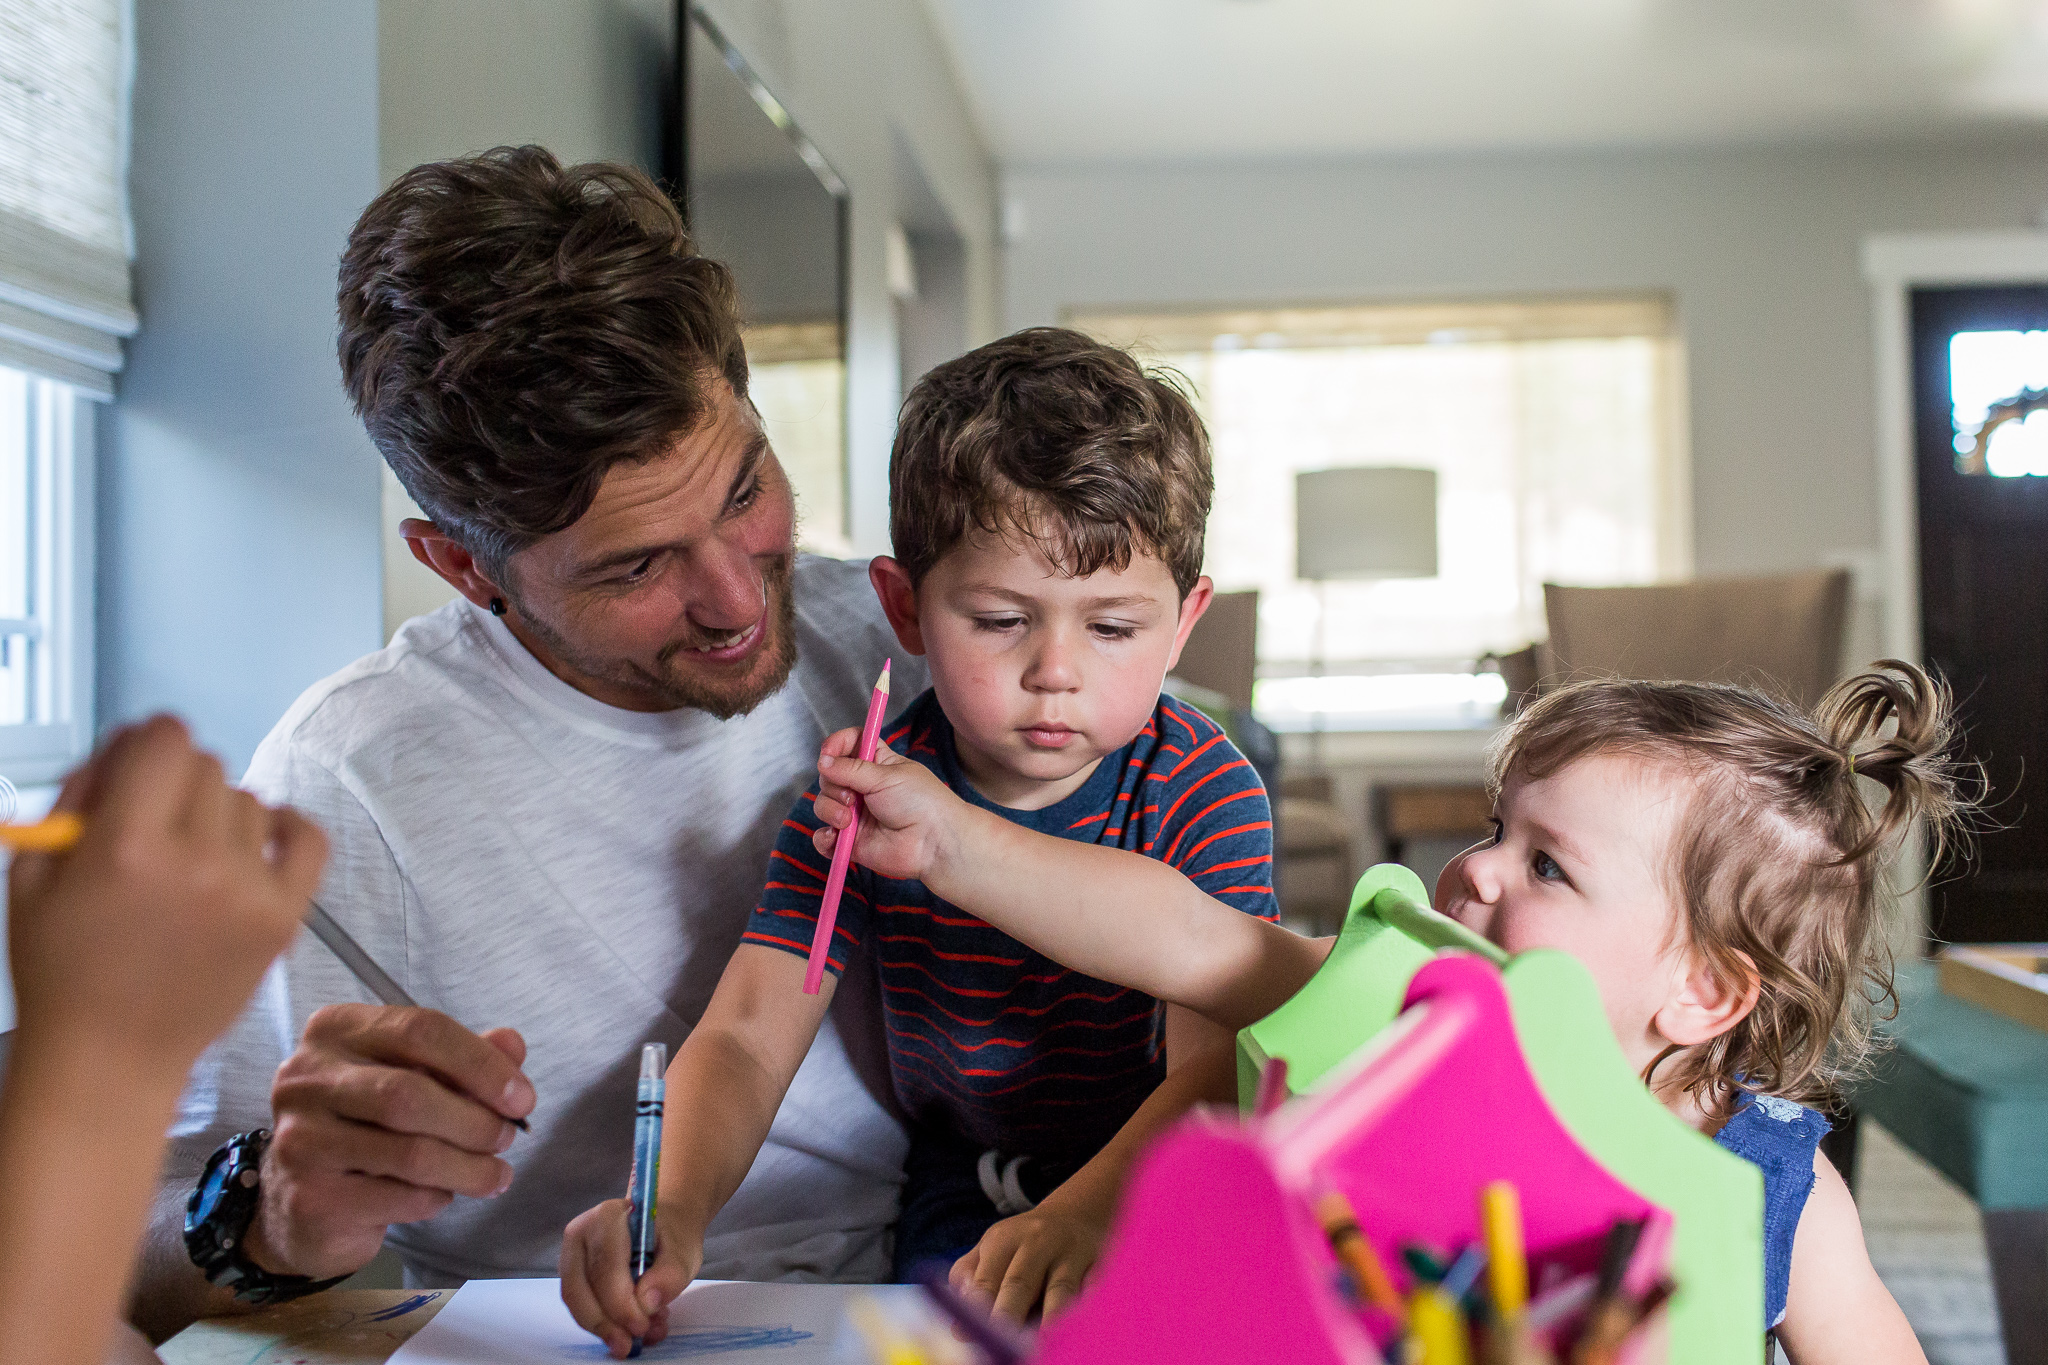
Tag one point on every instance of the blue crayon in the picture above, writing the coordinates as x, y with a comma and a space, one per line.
647, 1159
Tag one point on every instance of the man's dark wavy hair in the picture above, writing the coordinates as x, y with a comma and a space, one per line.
511, 328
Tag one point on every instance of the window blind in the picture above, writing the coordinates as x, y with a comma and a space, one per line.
1555, 427
66, 67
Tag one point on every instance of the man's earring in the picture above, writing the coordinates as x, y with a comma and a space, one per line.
497, 606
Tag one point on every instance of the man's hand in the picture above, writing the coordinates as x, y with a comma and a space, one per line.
383, 1115
1041, 1254
910, 822
597, 1275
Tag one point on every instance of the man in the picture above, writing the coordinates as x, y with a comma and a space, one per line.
551, 802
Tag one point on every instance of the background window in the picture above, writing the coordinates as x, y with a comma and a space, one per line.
1554, 428
45, 580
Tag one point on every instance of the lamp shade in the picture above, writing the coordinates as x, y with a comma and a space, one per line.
1365, 523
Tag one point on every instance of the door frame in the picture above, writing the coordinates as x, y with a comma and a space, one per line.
1894, 264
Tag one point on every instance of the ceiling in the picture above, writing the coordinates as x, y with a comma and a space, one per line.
1058, 82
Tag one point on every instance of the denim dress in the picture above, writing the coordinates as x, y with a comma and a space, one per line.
1779, 1138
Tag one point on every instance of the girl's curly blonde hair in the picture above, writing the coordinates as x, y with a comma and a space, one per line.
1779, 863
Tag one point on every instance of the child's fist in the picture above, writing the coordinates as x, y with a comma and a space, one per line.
597, 1276
909, 819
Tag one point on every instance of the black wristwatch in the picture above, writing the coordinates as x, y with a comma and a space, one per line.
218, 1214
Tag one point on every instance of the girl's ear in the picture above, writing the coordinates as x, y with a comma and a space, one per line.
1704, 1007
899, 601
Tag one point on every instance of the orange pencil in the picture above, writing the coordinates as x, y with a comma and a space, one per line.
1347, 1239
51, 834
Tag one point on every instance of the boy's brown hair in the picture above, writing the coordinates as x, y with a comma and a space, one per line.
1056, 440
1778, 865
511, 328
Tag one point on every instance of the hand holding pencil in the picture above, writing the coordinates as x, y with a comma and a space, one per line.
177, 892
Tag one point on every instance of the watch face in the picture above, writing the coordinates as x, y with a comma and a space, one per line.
211, 1188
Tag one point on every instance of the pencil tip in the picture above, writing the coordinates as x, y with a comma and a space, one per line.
882, 682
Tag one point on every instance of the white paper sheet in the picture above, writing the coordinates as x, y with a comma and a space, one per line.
523, 1322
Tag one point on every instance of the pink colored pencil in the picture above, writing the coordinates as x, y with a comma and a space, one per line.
842, 852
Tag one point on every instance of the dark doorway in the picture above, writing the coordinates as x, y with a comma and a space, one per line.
1979, 356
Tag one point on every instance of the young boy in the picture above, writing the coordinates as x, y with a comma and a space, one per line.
1049, 499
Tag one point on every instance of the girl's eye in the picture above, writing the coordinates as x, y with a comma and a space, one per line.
1106, 631
997, 623
1499, 829
1546, 869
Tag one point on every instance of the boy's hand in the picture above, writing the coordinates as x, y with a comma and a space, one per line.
910, 821
147, 938
597, 1276
1044, 1254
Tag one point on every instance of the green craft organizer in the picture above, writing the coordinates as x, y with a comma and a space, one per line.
1715, 1198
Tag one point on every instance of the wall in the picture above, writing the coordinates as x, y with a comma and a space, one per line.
584, 79
870, 83
237, 492
1759, 246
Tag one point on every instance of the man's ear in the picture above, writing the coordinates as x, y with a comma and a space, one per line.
1191, 608
433, 547
899, 601
1704, 1006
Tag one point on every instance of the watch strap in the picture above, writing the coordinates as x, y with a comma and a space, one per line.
215, 1227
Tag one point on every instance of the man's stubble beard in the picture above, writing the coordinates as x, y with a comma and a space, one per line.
773, 662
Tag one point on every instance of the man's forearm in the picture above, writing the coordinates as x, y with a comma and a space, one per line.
1113, 909
168, 1293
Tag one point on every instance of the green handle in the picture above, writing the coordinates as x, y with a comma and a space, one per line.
1429, 928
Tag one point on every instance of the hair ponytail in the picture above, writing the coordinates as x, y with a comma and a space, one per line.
1915, 764
1779, 865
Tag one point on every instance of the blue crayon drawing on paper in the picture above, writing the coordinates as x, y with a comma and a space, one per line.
399, 1310
687, 1343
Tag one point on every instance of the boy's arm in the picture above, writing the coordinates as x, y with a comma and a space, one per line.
1109, 914
724, 1086
1837, 1311
1050, 1249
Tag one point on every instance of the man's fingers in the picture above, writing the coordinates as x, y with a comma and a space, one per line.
507, 1041
430, 1040
410, 1158
398, 1099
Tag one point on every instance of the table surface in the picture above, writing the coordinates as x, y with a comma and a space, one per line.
340, 1327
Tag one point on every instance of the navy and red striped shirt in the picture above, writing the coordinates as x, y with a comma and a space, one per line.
987, 1038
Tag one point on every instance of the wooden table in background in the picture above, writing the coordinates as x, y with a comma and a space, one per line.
340, 1327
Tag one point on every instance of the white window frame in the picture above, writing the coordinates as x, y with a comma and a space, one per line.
62, 424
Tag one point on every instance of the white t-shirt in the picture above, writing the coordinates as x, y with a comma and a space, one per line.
517, 853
